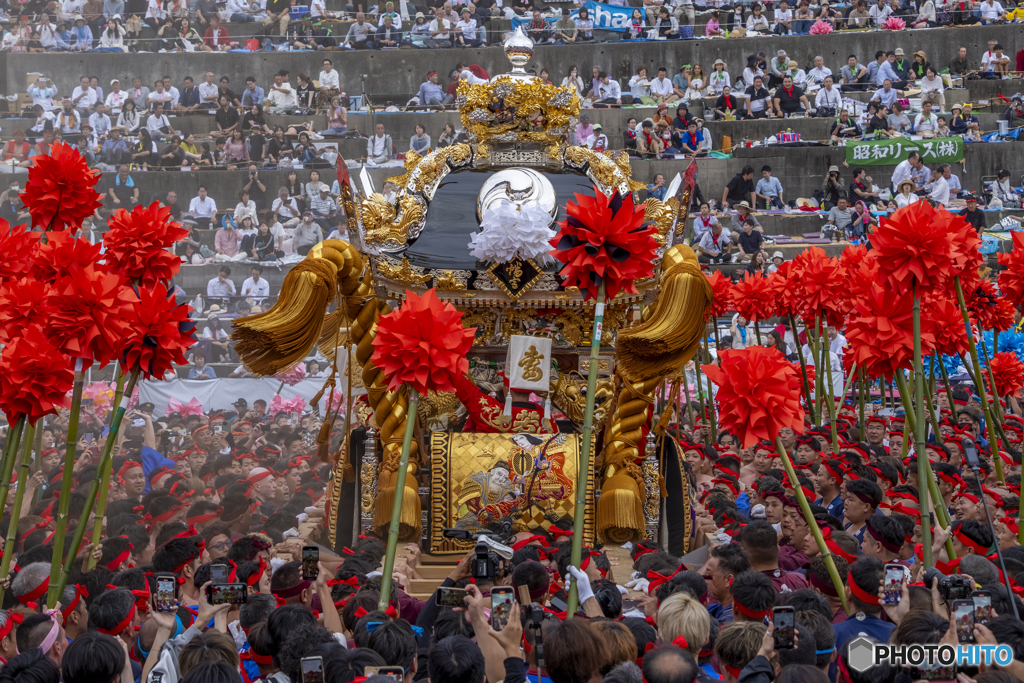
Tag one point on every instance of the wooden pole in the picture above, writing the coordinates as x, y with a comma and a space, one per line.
583, 472
396, 507
710, 414
949, 391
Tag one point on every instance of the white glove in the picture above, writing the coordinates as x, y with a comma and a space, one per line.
639, 585
622, 589
583, 589
723, 537
757, 512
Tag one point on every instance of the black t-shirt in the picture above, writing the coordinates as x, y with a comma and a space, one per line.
227, 117
739, 188
275, 146
975, 218
858, 186
724, 104
123, 191
838, 127
789, 100
877, 123
751, 243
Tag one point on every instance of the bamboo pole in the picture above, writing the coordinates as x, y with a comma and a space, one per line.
826, 362
104, 475
65, 485
949, 391
583, 472
941, 513
861, 384
805, 507
923, 469
396, 507
710, 414
803, 368
10, 455
993, 444
19, 494
90, 500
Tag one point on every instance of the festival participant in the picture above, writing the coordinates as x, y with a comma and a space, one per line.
884, 538
862, 499
759, 541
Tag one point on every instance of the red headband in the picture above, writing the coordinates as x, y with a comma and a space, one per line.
834, 471
121, 626
1010, 523
527, 541
199, 519
825, 587
120, 558
285, 593
12, 619
860, 593
127, 466
729, 483
35, 592
970, 543
259, 477
747, 612
834, 547
80, 592
255, 577
164, 516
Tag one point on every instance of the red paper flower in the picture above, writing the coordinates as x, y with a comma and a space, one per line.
34, 377
1011, 280
21, 307
987, 309
138, 244
942, 316
18, 246
422, 344
61, 253
753, 298
603, 239
59, 193
87, 314
1008, 372
159, 333
721, 289
880, 332
814, 278
783, 289
758, 394
915, 244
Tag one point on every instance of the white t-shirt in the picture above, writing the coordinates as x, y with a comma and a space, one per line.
329, 80
154, 123
661, 86
922, 122
202, 208
286, 208
991, 10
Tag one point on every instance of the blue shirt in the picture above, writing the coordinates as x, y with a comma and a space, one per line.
769, 188
835, 508
206, 373
430, 91
870, 626
152, 461
885, 71
251, 97
657, 194
720, 612
743, 505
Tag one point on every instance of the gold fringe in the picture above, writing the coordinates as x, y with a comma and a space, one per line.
281, 337
620, 511
673, 326
410, 525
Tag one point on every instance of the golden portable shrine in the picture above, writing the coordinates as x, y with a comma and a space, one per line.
472, 223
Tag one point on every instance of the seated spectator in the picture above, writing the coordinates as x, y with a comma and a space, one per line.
648, 144
926, 122
388, 36
199, 369
629, 137
216, 38
324, 209
790, 99
265, 245
769, 190
465, 31
878, 124
898, 121
285, 209
1004, 196
203, 209
158, 125
122, 192
932, 89
597, 140
715, 246
959, 66
226, 119
758, 99
740, 189
114, 151
727, 106
379, 147
840, 217
692, 141
750, 242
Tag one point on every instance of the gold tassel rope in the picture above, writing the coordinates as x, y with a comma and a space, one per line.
620, 509
281, 337
673, 326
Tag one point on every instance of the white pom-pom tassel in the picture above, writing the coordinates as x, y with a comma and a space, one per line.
508, 404
547, 408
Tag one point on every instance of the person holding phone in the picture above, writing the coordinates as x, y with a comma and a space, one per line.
862, 588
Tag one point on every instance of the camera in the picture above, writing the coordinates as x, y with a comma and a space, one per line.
364, 76
955, 587
488, 553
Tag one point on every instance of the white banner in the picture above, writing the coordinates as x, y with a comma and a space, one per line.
220, 394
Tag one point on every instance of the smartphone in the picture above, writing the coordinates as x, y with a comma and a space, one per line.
451, 597
963, 614
217, 429
312, 669
138, 422
933, 672
87, 437
982, 606
630, 605
166, 597
502, 598
218, 574
893, 583
87, 401
310, 560
394, 672
226, 594
784, 618
971, 453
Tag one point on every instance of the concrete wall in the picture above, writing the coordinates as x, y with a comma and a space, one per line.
396, 74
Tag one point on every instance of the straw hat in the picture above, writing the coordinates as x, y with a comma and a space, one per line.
913, 186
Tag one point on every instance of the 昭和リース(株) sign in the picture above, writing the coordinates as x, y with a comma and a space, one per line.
891, 152
605, 17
